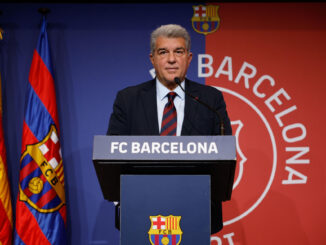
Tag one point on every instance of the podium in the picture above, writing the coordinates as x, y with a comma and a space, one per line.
165, 184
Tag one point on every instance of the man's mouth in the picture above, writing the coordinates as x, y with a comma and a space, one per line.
172, 69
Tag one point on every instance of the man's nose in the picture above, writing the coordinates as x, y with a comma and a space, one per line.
171, 57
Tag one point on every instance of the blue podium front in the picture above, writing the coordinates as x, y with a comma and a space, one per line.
165, 209
166, 185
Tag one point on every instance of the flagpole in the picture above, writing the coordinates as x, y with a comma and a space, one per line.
44, 11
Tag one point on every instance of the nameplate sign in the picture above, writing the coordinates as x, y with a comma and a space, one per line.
161, 148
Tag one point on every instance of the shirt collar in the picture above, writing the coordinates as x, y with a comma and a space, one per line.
162, 91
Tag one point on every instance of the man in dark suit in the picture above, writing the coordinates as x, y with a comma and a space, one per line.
141, 109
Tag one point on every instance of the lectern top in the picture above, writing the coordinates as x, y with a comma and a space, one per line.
164, 148
183, 155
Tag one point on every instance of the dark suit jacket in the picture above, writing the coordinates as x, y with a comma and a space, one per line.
135, 111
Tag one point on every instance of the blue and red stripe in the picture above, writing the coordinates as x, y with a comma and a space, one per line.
173, 239
37, 116
55, 234
27, 165
31, 233
42, 47
28, 137
41, 79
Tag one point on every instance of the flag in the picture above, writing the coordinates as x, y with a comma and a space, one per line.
41, 205
5, 199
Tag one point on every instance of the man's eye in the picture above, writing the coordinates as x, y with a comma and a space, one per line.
179, 52
162, 52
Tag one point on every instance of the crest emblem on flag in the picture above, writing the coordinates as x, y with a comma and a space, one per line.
165, 230
205, 19
41, 180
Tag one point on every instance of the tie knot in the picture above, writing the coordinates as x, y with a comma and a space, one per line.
171, 96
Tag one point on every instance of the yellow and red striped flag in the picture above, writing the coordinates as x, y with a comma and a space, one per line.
5, 199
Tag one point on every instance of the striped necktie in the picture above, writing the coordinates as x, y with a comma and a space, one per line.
169, 120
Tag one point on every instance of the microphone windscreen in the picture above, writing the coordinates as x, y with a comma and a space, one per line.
177, 80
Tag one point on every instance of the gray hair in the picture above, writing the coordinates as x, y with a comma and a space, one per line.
170, 31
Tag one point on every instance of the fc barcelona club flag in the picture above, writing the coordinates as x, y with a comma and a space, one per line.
41, 205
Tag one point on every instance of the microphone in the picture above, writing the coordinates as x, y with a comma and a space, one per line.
178, 82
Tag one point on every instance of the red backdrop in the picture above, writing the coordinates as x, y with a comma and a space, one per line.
269, 60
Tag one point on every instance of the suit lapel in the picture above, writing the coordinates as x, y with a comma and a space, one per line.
148, 98
190, 108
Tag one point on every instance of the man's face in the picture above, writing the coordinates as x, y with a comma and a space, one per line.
170, 59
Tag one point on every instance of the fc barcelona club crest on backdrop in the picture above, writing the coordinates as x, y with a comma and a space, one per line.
41, 181
205, 19
165, 230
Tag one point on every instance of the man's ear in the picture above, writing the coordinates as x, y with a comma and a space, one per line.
151, 58
189, 57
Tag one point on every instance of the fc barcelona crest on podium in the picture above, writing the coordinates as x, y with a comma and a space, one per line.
205, 19
165, 230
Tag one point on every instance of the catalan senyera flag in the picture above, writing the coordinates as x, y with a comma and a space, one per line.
41, 205
5, 199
